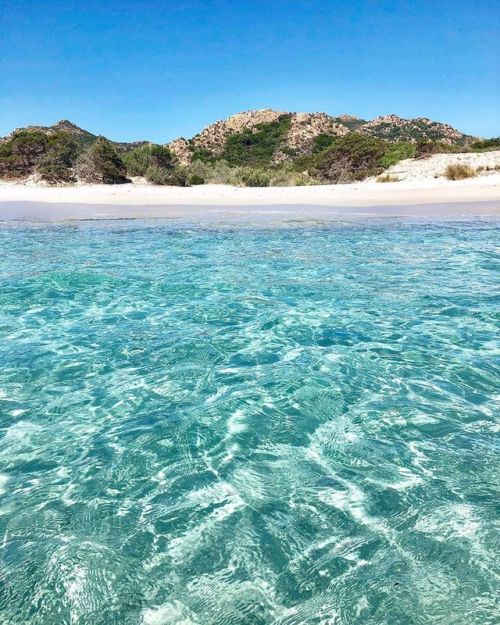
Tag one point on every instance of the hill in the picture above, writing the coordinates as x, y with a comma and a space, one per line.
63, 153
79, 134
288, 135
253, 148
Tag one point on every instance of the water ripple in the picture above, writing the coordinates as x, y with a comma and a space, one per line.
249, 427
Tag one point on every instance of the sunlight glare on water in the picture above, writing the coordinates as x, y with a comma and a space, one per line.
249, 426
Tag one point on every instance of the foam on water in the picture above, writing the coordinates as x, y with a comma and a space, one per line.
249, 426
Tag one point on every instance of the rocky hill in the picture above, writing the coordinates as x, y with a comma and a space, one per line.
254, 148
394, 128
301, 132
83, 136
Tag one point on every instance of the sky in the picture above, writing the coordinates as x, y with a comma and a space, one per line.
158, 69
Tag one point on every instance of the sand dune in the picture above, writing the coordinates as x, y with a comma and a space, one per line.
432, 168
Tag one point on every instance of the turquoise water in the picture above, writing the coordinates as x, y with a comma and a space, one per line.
249, 426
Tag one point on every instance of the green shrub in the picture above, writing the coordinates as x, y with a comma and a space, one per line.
215, 172
161, 176
256, 146
56, 165
52, 155
459, 172
55, 172
486, 144
156, 175
138, 161
195, 179
29, 145
219, 172
322, 142
199, 170
351, 157
395, 152
20, 154
286, 175
426, 147
292, 152
155, 163
100, 163
201, 154
255, 178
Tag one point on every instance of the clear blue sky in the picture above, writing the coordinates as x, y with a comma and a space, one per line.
157, 69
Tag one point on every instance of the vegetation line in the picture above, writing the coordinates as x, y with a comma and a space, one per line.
287, 150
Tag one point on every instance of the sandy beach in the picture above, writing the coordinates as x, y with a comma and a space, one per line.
411, 198
420, 191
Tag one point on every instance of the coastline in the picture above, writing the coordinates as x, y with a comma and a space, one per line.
478, 196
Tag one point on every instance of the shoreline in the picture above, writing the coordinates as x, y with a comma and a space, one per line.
247, 215
430, 198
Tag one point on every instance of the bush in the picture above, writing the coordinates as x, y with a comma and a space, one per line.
487, 168
195, 179
387, 178
426, 147
396, 152
255, 178
161, 176
459, 172
219, 172
155, 163
156, 175
202, 154
285, 177
351, 157
215, 172
291, 152
52, 155
256, 146
20, 154
57, 163
29, 145
55, 172
138, 161
486, 144
199, 171
100, 163
322, 142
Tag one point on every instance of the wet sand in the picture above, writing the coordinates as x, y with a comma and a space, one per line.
426, 198
253, 214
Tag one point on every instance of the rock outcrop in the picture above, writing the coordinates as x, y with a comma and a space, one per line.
302, 129
305, 127
394, 128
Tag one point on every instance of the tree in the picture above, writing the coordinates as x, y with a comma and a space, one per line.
138, 161
56, 165
21, 152
155, 163
100, 163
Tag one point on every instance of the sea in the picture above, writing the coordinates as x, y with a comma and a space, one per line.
243, 425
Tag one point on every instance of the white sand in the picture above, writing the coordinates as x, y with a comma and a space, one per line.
411, 191
430, 168
419, 189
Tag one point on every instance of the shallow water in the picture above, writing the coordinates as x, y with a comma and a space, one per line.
238, 426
